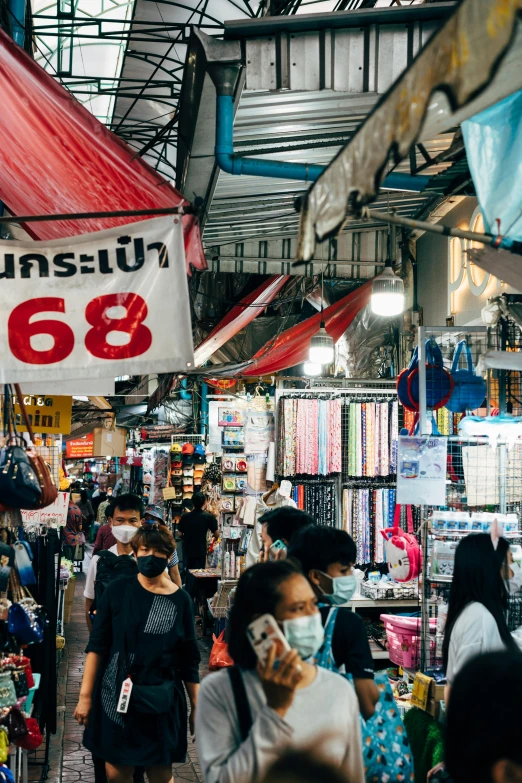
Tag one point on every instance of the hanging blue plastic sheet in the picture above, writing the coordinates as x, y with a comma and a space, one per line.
493, 142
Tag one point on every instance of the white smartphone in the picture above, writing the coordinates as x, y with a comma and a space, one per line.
262, 633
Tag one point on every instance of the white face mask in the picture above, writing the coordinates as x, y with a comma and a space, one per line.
515, 581
124, 533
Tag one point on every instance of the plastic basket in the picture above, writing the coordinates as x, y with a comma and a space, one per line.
404, 640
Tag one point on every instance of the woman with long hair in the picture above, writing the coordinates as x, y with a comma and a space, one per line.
252, 714
477, 607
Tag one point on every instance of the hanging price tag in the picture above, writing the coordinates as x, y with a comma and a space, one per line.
125, 694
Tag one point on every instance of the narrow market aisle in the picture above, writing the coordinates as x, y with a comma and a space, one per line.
77, 762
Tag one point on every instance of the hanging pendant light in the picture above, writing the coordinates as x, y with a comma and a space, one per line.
322, 346
312, 369
388, 290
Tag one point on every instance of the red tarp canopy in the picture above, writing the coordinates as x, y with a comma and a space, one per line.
291, 347
55, 157
239, 316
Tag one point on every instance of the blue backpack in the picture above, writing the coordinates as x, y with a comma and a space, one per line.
386, 748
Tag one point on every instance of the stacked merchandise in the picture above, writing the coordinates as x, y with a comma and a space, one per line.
367, 511
309, 440
234, 481
187, 466
318, 499
370, 438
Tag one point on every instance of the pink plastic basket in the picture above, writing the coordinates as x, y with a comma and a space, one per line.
404, 640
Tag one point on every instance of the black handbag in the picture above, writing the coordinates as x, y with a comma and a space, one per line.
19, 485
20, 682
152, 699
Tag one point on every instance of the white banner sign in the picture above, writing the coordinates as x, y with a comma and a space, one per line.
421, 478
95, 306
54, 515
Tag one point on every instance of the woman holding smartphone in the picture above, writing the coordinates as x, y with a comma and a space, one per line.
250, 715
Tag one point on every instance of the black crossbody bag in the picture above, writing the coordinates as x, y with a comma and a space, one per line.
147, 699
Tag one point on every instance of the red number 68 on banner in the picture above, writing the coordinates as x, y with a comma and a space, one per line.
20, 329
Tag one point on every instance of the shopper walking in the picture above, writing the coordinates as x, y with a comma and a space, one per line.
143, 632
154, 515
243, 728
281, 525
193, 527
477, 606
125, 519
327, 557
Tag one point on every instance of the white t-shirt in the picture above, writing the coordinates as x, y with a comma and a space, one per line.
475, 632
91, 573
325, 714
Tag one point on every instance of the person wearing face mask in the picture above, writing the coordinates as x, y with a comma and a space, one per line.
327, 556
141, 652
125, 517
249, 716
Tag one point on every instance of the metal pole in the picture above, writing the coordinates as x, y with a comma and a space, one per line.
180, 210
502, 454
423, 413
434, 228
424, 595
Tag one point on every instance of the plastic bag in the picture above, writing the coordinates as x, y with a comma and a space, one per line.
219, 657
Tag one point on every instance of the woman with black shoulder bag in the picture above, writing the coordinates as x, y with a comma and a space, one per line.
141, 651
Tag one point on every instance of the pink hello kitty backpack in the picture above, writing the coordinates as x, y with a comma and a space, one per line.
402, 551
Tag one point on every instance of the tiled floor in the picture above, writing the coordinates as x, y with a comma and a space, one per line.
77, 763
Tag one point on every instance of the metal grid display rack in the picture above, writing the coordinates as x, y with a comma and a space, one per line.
484, 478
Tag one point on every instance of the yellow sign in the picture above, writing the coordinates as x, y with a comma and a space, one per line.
49, 415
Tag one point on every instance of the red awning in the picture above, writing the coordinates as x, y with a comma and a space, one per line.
55, 157
291, 347
239, 316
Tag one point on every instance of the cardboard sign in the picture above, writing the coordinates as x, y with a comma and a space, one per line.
93, 306
54, 515
169, 493
80, 447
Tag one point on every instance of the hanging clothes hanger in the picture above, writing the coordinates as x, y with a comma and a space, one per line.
270, 492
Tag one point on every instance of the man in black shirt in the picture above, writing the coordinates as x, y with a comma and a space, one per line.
327, 556
194, 527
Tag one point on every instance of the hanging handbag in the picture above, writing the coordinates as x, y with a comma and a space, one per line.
20, 682
23, 621
469, 389
33, 739
19, 487
8, 696
49, 491
439, 383
6, 776
16, 724
21, 662
4, 745
23, 564
402, 383
402, 551
386, 749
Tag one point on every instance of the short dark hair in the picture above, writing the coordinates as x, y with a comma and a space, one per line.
317, 547
199, 500
300, 766
128, 502
284, 523
156, 537
479, 730
257, 593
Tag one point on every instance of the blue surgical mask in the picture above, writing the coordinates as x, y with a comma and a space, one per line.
305, 634
343, 588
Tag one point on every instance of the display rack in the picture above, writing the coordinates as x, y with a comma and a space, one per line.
483, 477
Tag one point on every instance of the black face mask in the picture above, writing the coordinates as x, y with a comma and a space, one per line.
151, 565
